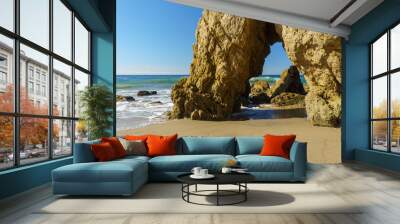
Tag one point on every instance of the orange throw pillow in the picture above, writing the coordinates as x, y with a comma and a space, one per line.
136, 137
161, 145
277, 145
116, 145
103, 152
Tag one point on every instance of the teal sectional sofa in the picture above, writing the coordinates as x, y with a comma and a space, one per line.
125, 176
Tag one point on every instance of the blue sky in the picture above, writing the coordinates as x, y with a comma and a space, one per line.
156, 37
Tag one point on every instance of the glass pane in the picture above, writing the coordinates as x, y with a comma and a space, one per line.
35, 21
395, 136
81, 45
81, 131
62, 138
62, 89
6, 142
7, 14
395, 47
81, 82
379, 55
379, 135
6, 74
379, 97
62, 29
33, 139
395, 94
34, 92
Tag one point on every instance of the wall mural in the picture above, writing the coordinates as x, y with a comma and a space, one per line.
226, 92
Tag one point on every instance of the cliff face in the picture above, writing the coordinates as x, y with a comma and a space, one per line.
318, 57
228, 51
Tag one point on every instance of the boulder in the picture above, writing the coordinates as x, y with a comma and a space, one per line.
120, 98
125, 98
259, 92
146, 93
228, 51
287, 98
318, 56
289, 81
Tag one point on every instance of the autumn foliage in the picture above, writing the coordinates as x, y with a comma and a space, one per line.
33, 131
380, 127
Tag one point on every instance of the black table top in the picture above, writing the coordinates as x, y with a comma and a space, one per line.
220, 178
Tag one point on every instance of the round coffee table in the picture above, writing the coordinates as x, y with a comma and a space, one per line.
238, 179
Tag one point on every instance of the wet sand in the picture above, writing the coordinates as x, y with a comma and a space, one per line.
324, 143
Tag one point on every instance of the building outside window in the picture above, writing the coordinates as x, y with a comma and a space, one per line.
57, 130
385, 94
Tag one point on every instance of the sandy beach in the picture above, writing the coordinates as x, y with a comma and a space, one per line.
324, 143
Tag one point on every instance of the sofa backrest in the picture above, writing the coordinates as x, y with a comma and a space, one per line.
83, 152
206, 145
249, 144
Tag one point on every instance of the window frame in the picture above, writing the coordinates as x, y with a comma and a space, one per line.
388, 74
16, 114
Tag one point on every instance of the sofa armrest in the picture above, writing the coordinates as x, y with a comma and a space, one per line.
298, 155
83, 152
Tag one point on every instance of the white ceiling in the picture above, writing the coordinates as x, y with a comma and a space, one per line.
317, 15
321, 9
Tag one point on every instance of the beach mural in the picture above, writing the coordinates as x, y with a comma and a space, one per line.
226, 91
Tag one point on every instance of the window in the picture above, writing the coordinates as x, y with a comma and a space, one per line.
47, 77
30, 88
35, 21
30, 72
62, 29
385, 95
7, 14
81, 45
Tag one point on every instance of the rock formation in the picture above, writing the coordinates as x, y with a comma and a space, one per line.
288, 98
146, 93
228, 51
125, 98
289, 81
259, 92
318, 57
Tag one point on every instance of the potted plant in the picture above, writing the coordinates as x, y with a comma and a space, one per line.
96, 103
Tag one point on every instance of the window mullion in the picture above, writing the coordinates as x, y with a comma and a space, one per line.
73, 82
389, 104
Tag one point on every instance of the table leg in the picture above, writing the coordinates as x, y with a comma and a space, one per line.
195, 188
217, 194
245, 193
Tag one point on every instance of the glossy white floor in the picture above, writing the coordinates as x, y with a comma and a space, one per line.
378, 189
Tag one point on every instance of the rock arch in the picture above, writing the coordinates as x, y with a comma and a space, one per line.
229, 50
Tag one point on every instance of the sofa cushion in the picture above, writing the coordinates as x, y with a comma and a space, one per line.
112, 171
207, 145
257, 163
249, 145
185, 163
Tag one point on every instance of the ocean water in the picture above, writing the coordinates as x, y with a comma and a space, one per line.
144, 110
152, 109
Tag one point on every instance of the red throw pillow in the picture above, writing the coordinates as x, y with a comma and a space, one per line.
161, 145
103, 152
136, 137
277, 145
116, 145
